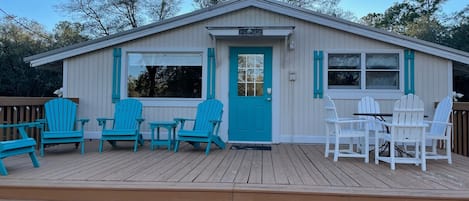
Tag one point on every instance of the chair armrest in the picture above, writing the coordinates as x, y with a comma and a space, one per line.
348, 121
140, 120
83, 121
102, 121
42, 121
21, 127
182, 121
407, 126
438, 122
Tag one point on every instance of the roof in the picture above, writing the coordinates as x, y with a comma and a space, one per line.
231, 6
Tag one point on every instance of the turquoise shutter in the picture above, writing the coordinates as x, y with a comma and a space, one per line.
211, 66
409, 74
116, 73
318, 74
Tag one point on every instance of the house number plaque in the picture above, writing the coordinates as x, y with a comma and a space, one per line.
250, 32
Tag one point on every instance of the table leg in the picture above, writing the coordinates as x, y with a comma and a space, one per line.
158, 136
169, 138
152, 138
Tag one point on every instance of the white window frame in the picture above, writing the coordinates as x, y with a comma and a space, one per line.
359, 93
165, 102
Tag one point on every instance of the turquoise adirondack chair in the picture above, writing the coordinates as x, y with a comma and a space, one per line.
60, 124
206, 126
125, 124
24, 145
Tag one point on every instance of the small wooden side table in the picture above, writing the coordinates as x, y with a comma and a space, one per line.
170, 126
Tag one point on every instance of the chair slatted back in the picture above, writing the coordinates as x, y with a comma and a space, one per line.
331, 110
126, 112
406, 119
442, 113
368, 105
208, 110
60, 114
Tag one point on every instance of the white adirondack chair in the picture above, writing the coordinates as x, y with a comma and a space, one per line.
441, 129
368, 105
407, 126
351, 128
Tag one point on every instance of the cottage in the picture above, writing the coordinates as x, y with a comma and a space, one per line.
270, 64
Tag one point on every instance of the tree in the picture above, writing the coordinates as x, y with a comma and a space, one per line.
106, 17
458, 36
328, 7
416, 18
162, 10
207, 3
68, 33
20, 38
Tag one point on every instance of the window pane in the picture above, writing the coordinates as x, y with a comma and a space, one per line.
250, 89
382, 61
259, 89
241, 89
250, 74
344, 61
166, 81
344, 80
165, 75
241, 75
382, 80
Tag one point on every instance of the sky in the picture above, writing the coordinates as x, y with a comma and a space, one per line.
44, 11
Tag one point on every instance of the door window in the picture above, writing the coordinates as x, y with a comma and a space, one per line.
250, 74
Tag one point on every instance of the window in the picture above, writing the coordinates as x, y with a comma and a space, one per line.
382, 71
363, 71
250, 74
164, 75
344, 71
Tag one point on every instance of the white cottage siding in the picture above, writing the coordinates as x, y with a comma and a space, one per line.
89, 77
192, 36
431, 80
297, 116
250, 17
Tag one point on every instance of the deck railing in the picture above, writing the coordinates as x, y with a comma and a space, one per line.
461, 128
28, 109
19, 110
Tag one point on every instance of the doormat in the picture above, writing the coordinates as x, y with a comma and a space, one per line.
250, 147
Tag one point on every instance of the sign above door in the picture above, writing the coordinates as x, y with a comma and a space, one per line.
268, 31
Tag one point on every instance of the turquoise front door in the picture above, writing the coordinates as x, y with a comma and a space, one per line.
250, 110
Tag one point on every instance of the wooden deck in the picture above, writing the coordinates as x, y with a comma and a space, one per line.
287, 172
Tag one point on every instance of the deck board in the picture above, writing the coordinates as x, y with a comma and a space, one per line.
287, 171
255, 174
268, 175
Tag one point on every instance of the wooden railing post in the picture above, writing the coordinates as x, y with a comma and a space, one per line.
461, 128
